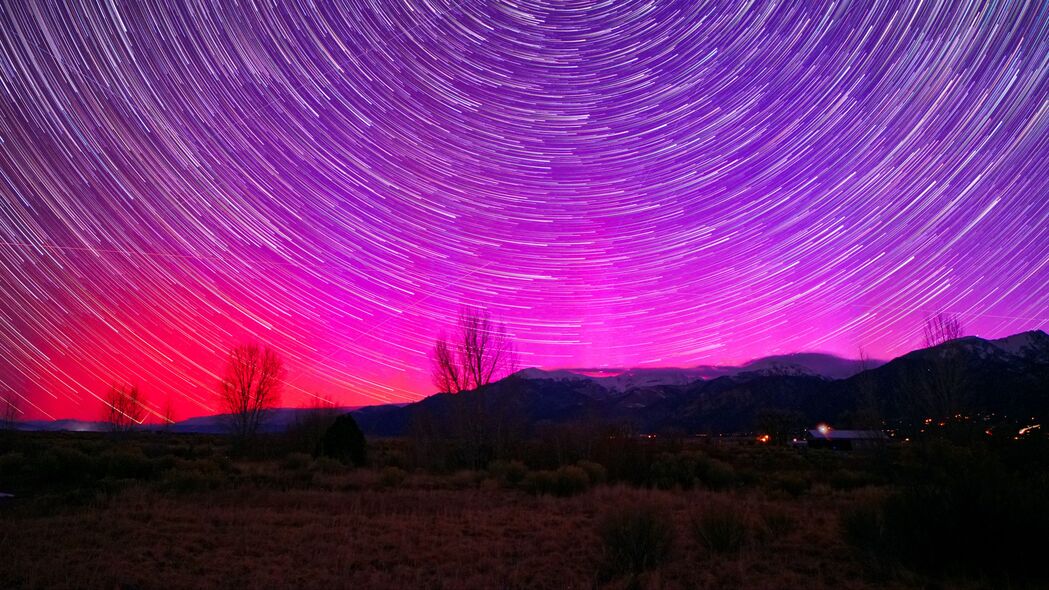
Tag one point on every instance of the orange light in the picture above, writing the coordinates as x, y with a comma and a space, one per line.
763, 438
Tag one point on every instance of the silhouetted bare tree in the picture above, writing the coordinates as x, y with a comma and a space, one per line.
124, 408
478, 353
478, 427
167, 415
250, 388
868, 405
941, 383
10, 412
940, 328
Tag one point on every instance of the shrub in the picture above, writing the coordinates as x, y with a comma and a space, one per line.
570, 480
596, 472
163, 463
716, 475
344, 441
394, 457
11, 465
328, 465
636, 538
295, 461
794, 484
566, 481
190, 481
127, 465
671, 470
721, 530
539, 482
391, 477
778, 523
846, 479
863, 526
62, 465
464, 479
508, 472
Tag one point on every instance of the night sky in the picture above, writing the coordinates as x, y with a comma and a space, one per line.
627, 183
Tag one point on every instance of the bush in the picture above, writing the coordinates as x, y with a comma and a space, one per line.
566, 481
11, 465
863, 526
464, 479
671, 470
570, 480
62, 465
539, 482
508, 472
392, 477
295, 461
596, 472
636, 538
390, 457
127, 465
716, 475
344, 441
846, 479
778, 523
722, 530
191, 481
792, 483
328, 465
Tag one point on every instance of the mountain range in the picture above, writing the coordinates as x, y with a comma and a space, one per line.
1005, 376
813, 364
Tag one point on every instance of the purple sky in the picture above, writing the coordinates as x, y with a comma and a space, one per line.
623, 183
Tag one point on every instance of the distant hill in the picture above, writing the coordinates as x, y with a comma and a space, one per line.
1005, 376
620, 380
278, 421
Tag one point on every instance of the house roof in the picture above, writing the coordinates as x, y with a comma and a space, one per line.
848, 434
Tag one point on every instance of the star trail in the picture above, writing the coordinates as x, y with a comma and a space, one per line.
628, 183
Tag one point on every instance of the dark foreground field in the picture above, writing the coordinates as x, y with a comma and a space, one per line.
406, 538
171, 512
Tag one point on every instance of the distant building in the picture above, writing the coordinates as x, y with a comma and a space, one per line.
845, 440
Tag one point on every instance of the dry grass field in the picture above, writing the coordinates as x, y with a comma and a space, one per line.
408, 538
179, 512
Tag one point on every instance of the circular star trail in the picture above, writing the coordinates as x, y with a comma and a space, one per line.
622, 183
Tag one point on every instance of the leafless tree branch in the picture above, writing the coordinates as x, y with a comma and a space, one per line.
124, 408
478, 353
250, 388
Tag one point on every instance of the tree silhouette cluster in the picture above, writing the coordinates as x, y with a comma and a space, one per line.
124, 408
250, 388
477, 353
941, 328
